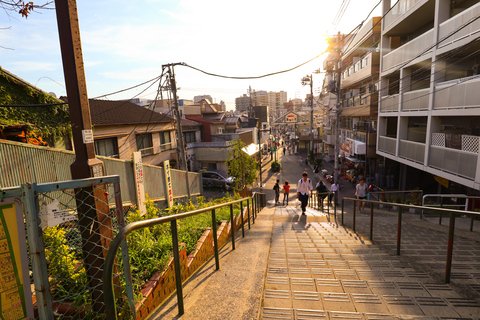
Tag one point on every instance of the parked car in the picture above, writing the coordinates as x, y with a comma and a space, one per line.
217, 179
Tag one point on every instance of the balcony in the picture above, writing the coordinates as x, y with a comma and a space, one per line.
458, 94
455, 23
363, 73
413, 151
458, 162
409, 51
416, 100
389, 103
387, 144
399, 10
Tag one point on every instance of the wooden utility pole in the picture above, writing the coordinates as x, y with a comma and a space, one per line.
182, 160
92, 203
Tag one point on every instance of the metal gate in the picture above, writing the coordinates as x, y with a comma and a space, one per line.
70, 226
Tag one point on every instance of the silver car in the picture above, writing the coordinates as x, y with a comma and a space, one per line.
217, 179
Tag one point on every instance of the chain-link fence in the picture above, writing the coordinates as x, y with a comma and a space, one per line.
67, 252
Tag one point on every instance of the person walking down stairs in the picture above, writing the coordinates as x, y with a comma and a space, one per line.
303, 190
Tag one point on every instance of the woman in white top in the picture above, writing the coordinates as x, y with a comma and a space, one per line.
361, 193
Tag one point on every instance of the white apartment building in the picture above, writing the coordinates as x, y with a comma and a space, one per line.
197, 99
429, 94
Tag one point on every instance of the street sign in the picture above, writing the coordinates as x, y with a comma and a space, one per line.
274, 149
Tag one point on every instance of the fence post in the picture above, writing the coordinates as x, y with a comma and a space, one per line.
176, 262
215, 242
451, 232
37, 251
343, 204
399, 229
232, 227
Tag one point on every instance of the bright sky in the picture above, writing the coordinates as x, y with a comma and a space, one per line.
126, 43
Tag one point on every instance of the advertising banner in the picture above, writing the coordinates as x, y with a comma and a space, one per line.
15, 293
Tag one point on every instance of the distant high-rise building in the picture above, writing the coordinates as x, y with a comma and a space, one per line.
259, 98
242, 103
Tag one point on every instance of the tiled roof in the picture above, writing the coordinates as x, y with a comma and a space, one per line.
186, 122
206, 120
118, 112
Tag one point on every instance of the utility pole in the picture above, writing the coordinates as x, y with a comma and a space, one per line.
92, 203
182, 160
311, 114
338, 71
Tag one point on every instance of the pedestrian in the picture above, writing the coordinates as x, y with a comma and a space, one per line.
334, 195
286, 190
276, 187
321, 192
361, 194
284, 148
303, 190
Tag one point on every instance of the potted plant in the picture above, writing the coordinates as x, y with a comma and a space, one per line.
275, 166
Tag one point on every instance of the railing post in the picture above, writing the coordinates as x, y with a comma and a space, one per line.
243, 222
441, 214
232, 227
354, 214
215, 242
248, 215
471, 218
451, 233
343, 207
399, 229
253, 213
371, 221
176, 262
37, 250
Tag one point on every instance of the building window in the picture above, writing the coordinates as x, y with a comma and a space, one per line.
190, 137
107, 147
165, 140
145, 144
219, 130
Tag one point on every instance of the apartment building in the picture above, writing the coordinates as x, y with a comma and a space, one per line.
242, 103
359, 98
429, 94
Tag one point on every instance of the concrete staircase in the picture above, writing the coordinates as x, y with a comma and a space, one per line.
319, 270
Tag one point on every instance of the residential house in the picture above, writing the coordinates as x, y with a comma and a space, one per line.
122, 127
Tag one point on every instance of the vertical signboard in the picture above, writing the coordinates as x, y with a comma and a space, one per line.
168, 183
139, 182
15, 293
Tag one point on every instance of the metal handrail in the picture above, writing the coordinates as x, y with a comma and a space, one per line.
110, 307
451, 226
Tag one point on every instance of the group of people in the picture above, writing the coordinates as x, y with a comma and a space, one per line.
304, 186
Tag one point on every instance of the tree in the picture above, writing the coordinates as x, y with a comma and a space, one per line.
22, 7
241, 166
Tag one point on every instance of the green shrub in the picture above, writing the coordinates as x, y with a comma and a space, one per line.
275, 166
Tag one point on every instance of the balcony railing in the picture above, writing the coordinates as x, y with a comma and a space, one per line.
458, 94
387, 144
389, 103
455, 23
414, 151
416, 100
400, 8
458, 162
409, 51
